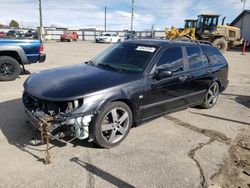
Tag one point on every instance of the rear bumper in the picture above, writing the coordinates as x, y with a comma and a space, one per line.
224, 85
42, 58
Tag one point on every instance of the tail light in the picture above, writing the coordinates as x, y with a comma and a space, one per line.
41, 49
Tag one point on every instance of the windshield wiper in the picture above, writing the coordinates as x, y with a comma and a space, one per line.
89, 62
110, 66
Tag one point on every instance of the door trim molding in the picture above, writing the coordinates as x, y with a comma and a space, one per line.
171, 100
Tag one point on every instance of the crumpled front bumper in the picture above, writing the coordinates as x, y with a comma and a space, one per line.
35, 121
61, 126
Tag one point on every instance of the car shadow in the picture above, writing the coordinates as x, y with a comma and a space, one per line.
117, 182
238, 49
222, 118
15, 127
241, 99
25, 72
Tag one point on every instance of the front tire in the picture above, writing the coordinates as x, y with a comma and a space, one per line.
211, 96
112, 125
9, 68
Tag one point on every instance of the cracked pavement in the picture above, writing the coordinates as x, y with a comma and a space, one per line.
190, 148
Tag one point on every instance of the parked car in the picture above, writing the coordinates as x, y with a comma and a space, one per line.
16, 53
15, 34
130, 35
69, 36
108, 38
2, 34
128, 83
31, 34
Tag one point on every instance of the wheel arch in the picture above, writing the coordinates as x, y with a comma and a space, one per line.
12, 54
220, 37
128, 103
16, 52
218, 81
125, 100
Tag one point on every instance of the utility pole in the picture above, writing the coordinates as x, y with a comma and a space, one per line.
242, 20
244, 4
132, 15
41, 21
105, 21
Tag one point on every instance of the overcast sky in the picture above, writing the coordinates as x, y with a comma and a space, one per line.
86, 13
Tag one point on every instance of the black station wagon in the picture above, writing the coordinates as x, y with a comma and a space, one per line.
128, 83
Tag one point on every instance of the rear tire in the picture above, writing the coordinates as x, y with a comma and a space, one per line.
211, 96
112, 125
9, 68
221, 44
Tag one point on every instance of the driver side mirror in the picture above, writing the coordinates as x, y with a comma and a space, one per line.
164, 73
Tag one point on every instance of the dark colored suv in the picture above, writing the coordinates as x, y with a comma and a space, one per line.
128, 83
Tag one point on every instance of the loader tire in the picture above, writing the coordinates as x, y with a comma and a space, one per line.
221, 44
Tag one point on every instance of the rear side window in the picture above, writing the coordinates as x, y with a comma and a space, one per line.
172, 59
194, 56
214, 54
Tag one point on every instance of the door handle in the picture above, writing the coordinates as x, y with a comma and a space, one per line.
183, 78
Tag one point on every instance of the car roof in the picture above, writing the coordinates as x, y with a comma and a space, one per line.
161, 42
149, 42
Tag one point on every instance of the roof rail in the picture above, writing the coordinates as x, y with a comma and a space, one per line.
196, 41
205, 42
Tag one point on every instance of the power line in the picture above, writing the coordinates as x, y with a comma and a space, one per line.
18, 2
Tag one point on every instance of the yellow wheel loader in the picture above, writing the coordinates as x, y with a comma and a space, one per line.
207, 28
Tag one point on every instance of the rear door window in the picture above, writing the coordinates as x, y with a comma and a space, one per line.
194, 56
171, 59
214, 54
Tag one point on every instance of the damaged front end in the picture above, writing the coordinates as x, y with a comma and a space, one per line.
60, 117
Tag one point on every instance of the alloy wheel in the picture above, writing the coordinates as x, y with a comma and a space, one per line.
6, 69
115, 125
212, 94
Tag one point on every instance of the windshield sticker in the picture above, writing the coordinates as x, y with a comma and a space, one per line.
145, 49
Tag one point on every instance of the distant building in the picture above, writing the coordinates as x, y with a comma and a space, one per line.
243, 22
2, 26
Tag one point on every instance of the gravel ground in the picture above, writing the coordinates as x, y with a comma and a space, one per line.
190, 148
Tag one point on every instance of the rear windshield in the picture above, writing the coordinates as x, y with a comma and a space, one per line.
214, 54
126, 56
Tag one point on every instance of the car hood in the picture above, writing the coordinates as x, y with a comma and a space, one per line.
72, 82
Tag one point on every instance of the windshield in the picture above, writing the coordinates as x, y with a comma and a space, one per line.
127, 57
207, 21
190, 24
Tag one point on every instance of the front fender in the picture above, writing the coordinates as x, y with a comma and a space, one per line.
98, 102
